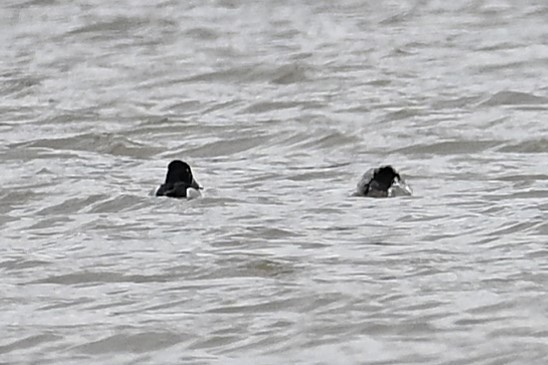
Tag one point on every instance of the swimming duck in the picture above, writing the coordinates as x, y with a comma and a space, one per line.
382, 182
179, 180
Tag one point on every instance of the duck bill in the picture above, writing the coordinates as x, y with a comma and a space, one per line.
400, 188
195, 185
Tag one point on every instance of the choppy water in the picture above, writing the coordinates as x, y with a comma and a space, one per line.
279, 107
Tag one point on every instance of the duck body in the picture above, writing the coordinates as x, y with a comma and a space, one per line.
382, 182
179, 179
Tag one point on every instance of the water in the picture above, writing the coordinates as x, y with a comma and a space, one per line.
279, 108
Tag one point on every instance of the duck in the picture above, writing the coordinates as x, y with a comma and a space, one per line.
180, 182
382, 182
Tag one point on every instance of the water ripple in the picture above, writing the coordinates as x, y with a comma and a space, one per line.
279, 108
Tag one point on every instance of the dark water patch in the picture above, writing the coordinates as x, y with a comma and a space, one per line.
17, 198
29, 342
536, 145
514, 98
309, 176
98, 278
111, 28
234, 267
121, 203
455, 103
512, 228
203, 33
51, 222
142, 342
67, 117
65, 303
222, 106
404, 113
19, 86
265, 305
226, 147
269, 106
542, 229
504, 45
71, 205
379, 82
32, 3
525, 177
26, 154
324, 140
275, 74
22, 264
215, 342
113, 144
504, 98
397, 19
449, 147
163, 128
290, 74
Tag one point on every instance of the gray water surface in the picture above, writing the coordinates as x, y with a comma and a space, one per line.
279, 107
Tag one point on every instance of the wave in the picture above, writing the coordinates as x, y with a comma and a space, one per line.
514, 98
108, 143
